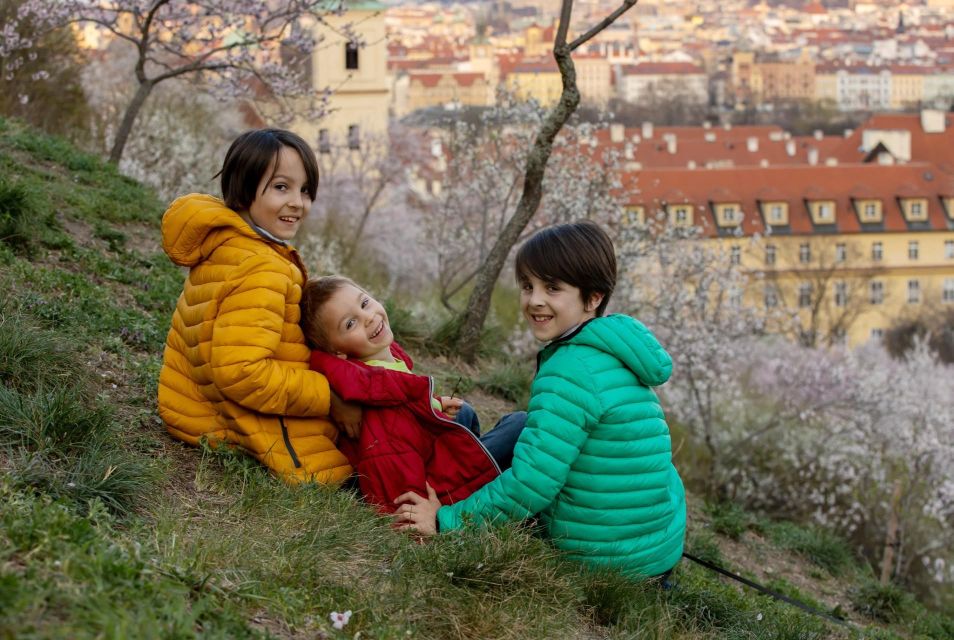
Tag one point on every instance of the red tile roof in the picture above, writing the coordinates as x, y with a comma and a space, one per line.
937, 148
655, 188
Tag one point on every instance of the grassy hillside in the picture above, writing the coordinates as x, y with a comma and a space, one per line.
109, 529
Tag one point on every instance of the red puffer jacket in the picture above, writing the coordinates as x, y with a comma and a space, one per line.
404, 441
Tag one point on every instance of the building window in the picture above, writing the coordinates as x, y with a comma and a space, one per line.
805, 295
949, 249
877, 251
841, 252
947, 294
351, 55
771, 296
915, 209
876, 290
735, 255
776, 213
770, 254
681, 215
871, 212
635, 215
728, 215
912, 249
823, 212
324, 141
354, 136
805, 253
841, 294
877, 334
914, 291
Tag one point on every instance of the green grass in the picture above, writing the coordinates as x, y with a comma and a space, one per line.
108, 529
509, 380
815, 544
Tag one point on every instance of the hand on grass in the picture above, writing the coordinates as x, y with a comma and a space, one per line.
417, 513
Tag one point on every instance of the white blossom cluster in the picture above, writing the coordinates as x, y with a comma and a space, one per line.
847, 439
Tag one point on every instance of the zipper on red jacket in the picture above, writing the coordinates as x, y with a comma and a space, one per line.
288, 444
430, 382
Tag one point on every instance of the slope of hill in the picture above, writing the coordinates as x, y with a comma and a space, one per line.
109, 529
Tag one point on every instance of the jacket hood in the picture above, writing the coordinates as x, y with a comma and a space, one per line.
629, 341
190, 224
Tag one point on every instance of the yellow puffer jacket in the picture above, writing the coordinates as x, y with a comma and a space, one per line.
235, 367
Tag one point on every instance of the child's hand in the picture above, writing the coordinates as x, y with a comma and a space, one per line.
451, 406
417, 513
347, 415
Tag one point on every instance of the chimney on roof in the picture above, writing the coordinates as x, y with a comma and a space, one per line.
812, 156
790, 148
763, 162
819, 134
706, 125
727, 126
933, 121
691, 164
647, 130
848, 132
831, 162
671, 145
752, 144
616, 132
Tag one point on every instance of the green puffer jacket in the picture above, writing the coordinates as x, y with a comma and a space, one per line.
595, 459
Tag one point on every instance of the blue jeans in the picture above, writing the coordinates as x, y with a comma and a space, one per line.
500, 440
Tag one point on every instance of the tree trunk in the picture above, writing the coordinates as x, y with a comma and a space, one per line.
478, 305
891, 537
129, 117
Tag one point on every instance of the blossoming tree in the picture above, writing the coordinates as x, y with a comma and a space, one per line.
235, 45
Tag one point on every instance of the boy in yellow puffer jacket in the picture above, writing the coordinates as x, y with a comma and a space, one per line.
235, 367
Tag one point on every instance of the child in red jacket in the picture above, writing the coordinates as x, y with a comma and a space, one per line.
408, 436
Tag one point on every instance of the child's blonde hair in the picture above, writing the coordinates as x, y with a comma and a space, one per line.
314, 296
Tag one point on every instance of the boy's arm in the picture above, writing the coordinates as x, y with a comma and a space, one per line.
561, 413
376, 386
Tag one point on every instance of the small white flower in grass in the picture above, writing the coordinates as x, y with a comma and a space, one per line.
759, 617
339, 620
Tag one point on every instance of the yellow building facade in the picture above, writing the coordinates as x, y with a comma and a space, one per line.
356, 74
850, 250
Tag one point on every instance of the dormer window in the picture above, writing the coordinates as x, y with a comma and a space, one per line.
869, 211
915, 209
823, 211
680, 215
728, 214
775, 213
635, 215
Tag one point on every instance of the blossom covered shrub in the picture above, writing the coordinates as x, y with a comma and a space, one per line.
855, 440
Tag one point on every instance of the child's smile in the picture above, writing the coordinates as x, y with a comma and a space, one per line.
357, 325
552, 308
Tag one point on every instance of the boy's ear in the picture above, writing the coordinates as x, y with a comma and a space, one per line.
338, 354
593, 302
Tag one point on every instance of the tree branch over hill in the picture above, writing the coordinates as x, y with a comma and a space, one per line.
234, 43
478, 305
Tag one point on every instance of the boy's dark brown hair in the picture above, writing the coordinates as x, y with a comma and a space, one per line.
579, 254
249, 158
314, 295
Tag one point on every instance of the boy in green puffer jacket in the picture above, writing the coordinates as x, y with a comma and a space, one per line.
594, 461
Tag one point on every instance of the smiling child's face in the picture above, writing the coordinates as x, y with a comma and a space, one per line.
356, 325
282, 199
552, 308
